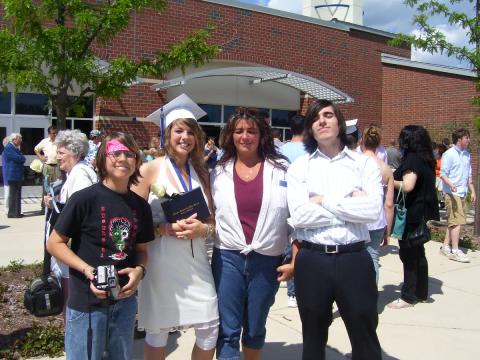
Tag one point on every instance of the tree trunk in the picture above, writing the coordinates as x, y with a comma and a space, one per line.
61, 108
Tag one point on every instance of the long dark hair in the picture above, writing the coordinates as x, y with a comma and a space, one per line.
416, 139
312, 115
266, 148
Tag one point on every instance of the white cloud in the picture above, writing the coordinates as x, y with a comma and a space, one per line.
395, 17
294, 6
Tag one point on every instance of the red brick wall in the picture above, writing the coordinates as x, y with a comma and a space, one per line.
438, 101
350, 61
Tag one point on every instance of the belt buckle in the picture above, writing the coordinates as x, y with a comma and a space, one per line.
334, 251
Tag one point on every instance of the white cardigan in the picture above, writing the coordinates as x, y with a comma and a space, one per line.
271, 233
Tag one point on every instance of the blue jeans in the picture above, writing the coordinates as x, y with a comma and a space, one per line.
376, 237
246, 287
290, 283
121, 328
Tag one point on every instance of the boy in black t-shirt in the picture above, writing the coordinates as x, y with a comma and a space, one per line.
108, 225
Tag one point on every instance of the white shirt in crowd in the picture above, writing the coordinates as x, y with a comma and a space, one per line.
49, 149
341, 219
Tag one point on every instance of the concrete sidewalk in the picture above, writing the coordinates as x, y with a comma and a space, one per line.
446, 327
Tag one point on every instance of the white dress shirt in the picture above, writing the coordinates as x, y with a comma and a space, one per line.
341, 218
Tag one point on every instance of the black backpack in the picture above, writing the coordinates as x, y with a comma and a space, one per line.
44, 296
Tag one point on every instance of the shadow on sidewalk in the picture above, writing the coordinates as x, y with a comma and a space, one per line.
392, 292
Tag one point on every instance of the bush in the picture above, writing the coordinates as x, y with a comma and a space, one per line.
36, 341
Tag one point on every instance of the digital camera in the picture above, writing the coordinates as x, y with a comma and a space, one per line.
106, 278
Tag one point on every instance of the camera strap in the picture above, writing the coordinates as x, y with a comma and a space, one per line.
105, 355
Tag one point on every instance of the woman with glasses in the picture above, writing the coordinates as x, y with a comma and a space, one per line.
108, 224
72, 147
250, 197
178, 292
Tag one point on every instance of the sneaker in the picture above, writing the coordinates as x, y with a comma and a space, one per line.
292, 302
446, 251
459, 256
399, 304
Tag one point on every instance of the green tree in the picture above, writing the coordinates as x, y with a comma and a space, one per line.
48, 46
433, 40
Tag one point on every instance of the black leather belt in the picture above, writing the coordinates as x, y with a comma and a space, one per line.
334, 249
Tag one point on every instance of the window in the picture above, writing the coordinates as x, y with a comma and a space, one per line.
84, 126
30, 138
280, 117
5, 103
228, 110
31, 104
214, 113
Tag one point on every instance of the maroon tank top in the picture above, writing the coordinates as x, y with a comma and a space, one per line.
248, 195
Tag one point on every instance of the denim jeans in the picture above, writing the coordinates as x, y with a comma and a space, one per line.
120, 336
290, 283
376, 237
246, 287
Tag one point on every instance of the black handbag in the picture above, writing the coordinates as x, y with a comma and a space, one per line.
44, 296
420, 235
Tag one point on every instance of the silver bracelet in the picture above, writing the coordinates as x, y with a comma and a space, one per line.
209, 232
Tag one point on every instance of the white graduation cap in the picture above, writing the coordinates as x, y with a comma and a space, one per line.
351, 126
182, 107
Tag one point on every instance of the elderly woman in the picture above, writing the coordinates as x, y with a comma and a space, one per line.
416, 176
72, 147
250, 197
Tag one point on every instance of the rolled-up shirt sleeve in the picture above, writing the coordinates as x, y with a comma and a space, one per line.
361, 209
304, 213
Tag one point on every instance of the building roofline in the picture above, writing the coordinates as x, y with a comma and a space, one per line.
398, 60
335, 24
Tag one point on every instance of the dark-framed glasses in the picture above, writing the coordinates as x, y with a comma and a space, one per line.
118, 153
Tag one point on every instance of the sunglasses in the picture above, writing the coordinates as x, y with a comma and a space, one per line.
128, 154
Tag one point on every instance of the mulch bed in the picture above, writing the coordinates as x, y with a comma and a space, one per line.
15, 320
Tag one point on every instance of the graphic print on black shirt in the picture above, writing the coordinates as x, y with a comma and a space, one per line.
104, 226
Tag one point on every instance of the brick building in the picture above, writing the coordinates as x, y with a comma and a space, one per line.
289, 57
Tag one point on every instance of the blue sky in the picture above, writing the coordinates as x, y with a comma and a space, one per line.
393, 16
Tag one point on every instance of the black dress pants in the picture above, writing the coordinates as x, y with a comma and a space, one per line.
348, 279
415, 274
14, 198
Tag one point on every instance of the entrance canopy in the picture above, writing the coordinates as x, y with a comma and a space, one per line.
259, 75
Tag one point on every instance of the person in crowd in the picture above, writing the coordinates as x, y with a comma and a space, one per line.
4, 176
249, 193
438, 153
446, 142
96, 137
179, 291
210, 153
153, 150
394, 156
333, 192
380, 229
292, 150
277, 138
456, 174
108, 225
14, 160
416, 177
46, 151
72, 147
352, 135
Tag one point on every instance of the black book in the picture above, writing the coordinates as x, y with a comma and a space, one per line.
181, 206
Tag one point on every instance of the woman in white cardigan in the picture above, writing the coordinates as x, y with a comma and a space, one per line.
249, 192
